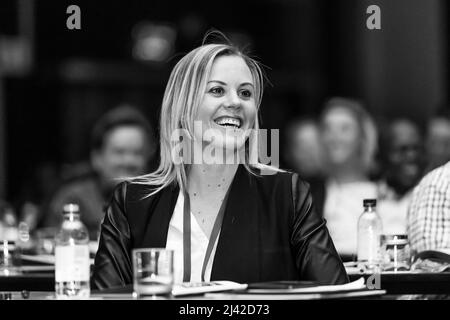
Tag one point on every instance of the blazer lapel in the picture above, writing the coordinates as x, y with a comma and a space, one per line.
237, 252
158, 226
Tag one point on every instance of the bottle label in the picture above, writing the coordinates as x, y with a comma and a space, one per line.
72, 263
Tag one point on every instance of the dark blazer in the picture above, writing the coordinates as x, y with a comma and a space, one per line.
270, 231
319, 193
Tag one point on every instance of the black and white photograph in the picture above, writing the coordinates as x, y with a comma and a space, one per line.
224, 159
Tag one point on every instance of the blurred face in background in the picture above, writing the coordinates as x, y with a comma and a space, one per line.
305, 149
438, 142
124, 154
341, 136
405, 155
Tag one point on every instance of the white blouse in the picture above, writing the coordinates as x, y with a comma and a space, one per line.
199, 244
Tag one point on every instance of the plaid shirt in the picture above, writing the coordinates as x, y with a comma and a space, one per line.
429, 212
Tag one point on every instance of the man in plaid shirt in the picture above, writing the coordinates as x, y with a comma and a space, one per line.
429, 212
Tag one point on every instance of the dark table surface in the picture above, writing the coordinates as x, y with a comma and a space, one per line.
408, 282
393, 283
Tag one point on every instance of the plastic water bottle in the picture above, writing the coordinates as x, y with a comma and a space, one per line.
72, 263
370, 229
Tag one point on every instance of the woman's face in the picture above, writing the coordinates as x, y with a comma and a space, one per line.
341, 136
228, 105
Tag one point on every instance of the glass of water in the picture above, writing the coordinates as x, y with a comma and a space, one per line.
152, 272
9, 258
395, 251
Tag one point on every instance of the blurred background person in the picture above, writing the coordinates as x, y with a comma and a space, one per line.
303, 149
429, 212
349, 137
402, 160
122, 145
438, 138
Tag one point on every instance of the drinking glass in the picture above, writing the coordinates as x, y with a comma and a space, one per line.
9, 258
152, 272
395, 251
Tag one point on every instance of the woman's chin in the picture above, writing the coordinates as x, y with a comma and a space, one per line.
224, 151
227, 145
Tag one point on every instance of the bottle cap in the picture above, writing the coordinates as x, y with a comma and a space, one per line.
71, 208
369, 202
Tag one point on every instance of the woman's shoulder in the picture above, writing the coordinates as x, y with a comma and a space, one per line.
129, 191
280, 178
270, 173
285, 186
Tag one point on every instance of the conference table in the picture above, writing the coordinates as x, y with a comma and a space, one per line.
393, 284
36, 277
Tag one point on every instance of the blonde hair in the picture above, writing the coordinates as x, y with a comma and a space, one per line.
184, 93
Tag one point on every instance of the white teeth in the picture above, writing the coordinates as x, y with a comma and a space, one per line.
229, 122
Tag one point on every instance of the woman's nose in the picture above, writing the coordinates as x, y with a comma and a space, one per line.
232, 100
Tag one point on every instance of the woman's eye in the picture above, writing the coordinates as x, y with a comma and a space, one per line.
246, 93
216, 91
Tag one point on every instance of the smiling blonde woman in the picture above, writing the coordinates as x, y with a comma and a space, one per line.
230, 221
